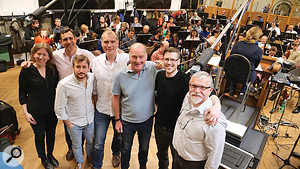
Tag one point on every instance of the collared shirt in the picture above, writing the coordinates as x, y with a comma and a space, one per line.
136, 92
73, 100
64, 64
104, 73
294, 56
292, 31
194, 140
277, 30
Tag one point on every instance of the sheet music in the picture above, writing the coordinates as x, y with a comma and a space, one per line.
214, 61
259, 68
235, 128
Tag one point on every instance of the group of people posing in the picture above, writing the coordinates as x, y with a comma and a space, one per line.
64, 84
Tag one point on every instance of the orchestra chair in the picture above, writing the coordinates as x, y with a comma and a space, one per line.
238, 68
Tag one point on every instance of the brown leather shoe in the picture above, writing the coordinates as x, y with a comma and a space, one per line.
70, 155
116, 160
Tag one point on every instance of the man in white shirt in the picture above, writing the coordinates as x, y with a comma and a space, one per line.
290, 29
104, 68
73, 105
198, 145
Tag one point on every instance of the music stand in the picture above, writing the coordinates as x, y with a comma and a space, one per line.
180, 23
137, 29
211, 21
258, 23
223, 21
203, 15
143, 38
285, 35
266, 32
279, 46
88, 44
221, 17
287, 161
174, 29
183, 34
191, 44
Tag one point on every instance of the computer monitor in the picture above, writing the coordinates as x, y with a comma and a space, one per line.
143, 38
258, 23
174, 29
221, 17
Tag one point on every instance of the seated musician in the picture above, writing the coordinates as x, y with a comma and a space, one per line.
293, 54
174, 41
204, 33
155, 38
275, 31
212, 39
165, 29
159, 53
193, 35
136, 22
145, 30
290, 29
297, 110
171, 23
129, 40
262, 44
42, 37
248, 47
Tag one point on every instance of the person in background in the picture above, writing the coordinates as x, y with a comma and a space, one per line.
122, 33
272, 51
294, 53
290, 29
197, 145
86, 34
204, 33
156, 38
201, 9
195, 18
145, 30
56, 32
42, 37
262, 44
253, 54
116, 24
31, 29
174, 41
165, 29
198, 27
129, 40
212, 39
297, 109
158, 54
171, 23
266, 9
193, 35
37, 85
136, 22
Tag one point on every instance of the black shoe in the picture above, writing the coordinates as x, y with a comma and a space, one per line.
296, 110
53, 161
241, 96
231, 93
70, 155
47, 165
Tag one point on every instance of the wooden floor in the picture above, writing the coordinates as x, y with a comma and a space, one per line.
9, 93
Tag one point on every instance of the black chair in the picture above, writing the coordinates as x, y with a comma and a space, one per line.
238, 68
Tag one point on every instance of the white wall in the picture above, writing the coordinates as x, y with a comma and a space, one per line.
18, 7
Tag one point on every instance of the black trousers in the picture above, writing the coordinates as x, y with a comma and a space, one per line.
46, 126
163, 138
180, 163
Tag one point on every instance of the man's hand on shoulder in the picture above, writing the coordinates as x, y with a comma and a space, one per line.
26, 64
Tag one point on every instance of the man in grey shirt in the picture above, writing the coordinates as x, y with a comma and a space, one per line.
133, 96
198, 145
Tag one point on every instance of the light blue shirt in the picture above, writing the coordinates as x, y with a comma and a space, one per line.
136, 93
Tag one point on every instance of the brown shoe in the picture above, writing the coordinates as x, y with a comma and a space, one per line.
89, 160
116, 160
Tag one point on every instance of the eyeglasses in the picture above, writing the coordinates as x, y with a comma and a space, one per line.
172, 60
201, 87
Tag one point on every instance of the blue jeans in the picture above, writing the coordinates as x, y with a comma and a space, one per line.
101, 124
143, 130
163, 138
76, 137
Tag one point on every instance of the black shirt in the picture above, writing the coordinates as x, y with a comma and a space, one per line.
37, 92
170, 95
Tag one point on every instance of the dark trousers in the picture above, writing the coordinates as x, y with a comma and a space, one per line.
143, 130
180, 163
68, 138
46, 126
163, 138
